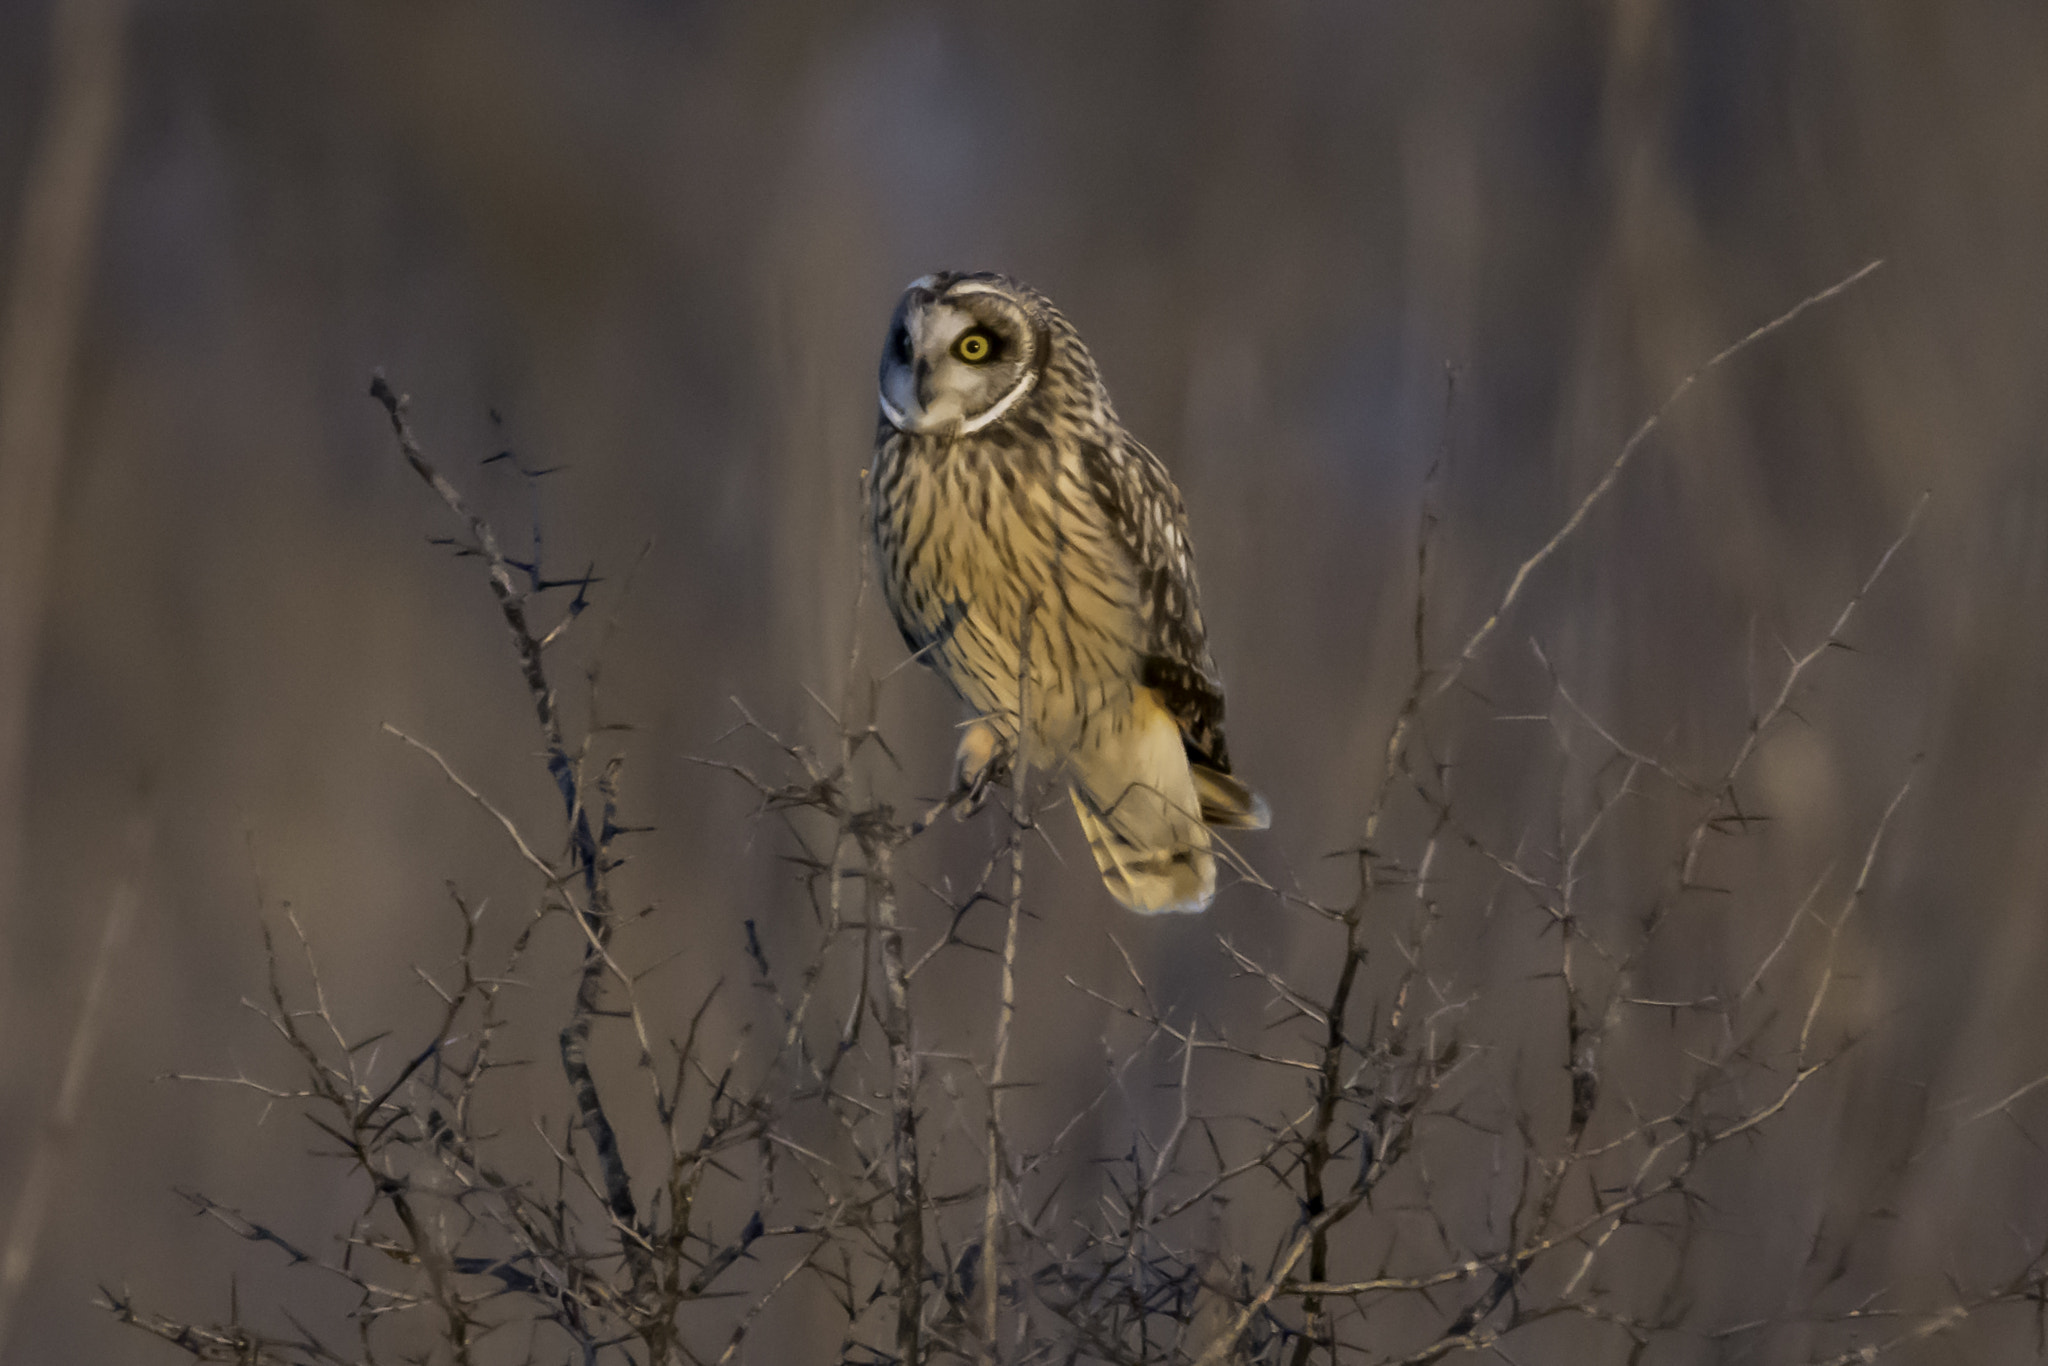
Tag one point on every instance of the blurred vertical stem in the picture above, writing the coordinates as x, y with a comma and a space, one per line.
54, 236
52, 260
32, 1203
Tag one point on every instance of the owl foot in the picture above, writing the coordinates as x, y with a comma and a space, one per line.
981, 762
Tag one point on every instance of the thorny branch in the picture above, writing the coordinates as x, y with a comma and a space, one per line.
1373, 1144
589, 849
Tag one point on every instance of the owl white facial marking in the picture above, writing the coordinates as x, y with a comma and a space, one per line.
1003, 404
894, 414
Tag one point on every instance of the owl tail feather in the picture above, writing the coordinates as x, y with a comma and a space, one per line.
1227, 803
1153, 858
1142, 815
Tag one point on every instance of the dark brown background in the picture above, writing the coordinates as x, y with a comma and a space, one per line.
661, 239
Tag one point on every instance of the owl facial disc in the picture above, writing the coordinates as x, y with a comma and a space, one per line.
962, 352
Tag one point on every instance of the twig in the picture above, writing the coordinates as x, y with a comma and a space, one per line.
585, 842
1006, 1010
907, 1255
1606, 482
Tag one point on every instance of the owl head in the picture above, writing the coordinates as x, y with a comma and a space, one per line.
962, 351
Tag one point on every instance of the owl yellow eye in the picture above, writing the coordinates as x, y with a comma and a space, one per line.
974, 347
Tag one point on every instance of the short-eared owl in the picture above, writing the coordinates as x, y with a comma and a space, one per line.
1037, 557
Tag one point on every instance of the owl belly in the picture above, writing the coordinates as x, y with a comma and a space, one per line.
1029, 608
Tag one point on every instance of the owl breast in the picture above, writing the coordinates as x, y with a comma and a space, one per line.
1005, 576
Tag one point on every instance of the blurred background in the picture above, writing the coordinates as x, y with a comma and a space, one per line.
655, 245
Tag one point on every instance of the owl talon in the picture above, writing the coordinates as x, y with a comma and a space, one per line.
973, 794
982, 762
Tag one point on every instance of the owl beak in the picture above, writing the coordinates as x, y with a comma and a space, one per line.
937, 415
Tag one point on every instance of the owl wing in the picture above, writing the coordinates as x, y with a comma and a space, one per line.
1145, 514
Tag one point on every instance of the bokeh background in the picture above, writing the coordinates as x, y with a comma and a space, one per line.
655, 244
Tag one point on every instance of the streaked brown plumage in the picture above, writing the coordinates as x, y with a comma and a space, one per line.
1037, 558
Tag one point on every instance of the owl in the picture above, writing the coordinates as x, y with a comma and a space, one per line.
1036, 557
